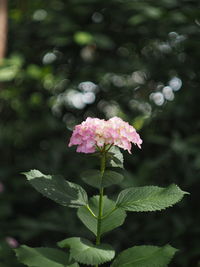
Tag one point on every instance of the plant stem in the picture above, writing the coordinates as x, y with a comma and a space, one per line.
99, 217
103, 166
101, 190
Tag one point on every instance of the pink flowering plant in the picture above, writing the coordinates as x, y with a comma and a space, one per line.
95, 134
99, 213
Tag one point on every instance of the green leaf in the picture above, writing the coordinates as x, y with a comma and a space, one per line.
145, 256
103, 41
73, 265
83, 38
93, 178
149, 198
10, 68
115, 219
56, 188
83, 251
7, 255
41, 257
115, 157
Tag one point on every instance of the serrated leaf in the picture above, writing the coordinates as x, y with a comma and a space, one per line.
73, 265
41, 257
93, 178
145, 256
149, 198
115, 219
58, 189
116, 158
83, 251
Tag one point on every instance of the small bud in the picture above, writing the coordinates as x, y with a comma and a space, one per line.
1, 187
12, 242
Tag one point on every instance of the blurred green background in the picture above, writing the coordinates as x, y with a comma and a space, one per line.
67, 60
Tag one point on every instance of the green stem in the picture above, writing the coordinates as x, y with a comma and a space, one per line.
103, 166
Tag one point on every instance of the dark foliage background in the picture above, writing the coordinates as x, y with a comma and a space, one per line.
67, 60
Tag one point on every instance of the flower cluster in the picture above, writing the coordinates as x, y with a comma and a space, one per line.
12, 242
1, 187
94, 133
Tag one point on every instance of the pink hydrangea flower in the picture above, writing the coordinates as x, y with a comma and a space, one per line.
94, 132
1, 187
12, 242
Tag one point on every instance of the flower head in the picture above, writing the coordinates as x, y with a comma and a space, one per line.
94, 133
1, 187
12, 242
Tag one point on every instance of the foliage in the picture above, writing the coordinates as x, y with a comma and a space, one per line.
115, 219
43, 257
149, 198
92, 177
56, 188
85, 252
7, 256
100, 215
145, 256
